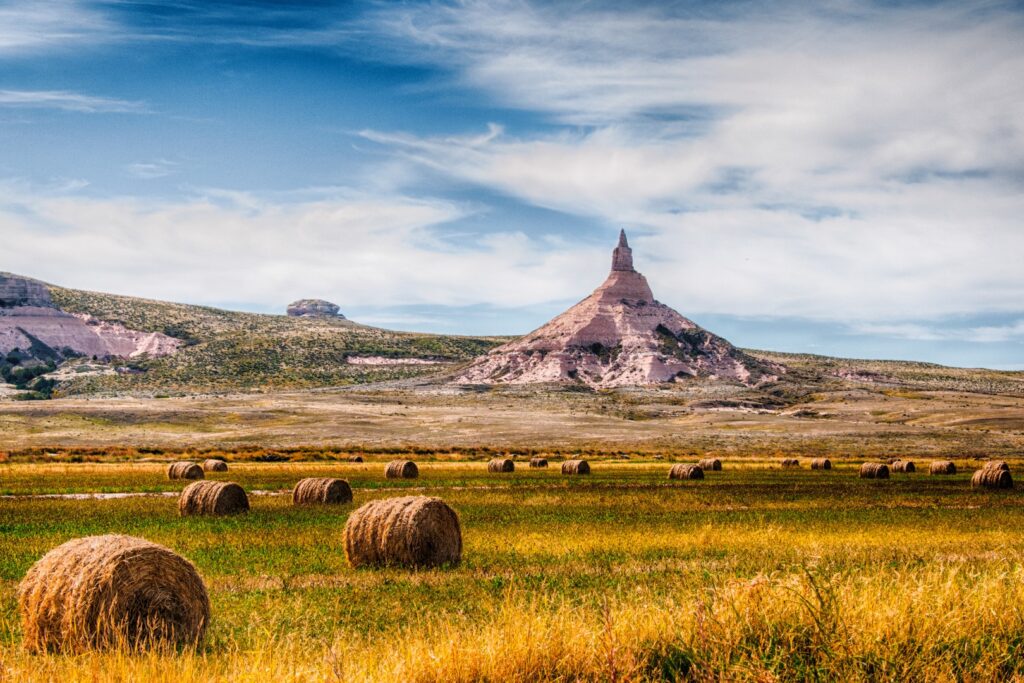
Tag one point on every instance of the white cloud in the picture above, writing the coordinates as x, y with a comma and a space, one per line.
68, 101
28, 26
150, 170
978, 334
852, 161
216, 247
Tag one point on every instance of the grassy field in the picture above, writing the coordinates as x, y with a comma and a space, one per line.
755, 573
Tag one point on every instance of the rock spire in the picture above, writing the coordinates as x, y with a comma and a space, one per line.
618, 336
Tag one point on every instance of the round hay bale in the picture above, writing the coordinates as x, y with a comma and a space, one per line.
538, 462
874, 470
992, 478
790, 462
683, 471
401, 469
112, 591
942, 467
321, 491
212, 498
498, 465
821, 464
996, 465
184, 470
214, 465
710, 464
355, 458
905, 466
412, 531
575, 467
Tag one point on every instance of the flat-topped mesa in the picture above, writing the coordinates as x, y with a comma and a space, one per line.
618, 336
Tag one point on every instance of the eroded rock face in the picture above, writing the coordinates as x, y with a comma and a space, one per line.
30, 321
313, 308
22, 291
618, 336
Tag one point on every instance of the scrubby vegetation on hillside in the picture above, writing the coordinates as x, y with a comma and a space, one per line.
231, 351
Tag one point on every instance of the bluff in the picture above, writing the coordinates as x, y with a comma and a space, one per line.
618, 336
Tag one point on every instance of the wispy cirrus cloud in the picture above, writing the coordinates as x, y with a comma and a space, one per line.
151, 170
30, 26
847, 160
69, 101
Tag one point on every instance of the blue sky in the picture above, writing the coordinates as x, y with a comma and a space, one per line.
844, 179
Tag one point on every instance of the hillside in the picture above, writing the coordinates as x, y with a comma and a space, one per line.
234, 351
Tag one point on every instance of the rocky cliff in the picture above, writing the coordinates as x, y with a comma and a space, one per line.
313, 308
618, 336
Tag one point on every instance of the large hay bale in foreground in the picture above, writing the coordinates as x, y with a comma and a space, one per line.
874, 470
904, 466
321, 491
112, 591
401, 469
996, 465
821, 464
499, 465
184, 470
992, 478
710, 464
212, 498
790, 462
942, 467
412, 531
683, 471
538, 462
575, 467
214, 465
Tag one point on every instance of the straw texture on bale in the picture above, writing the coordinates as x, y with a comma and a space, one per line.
575, 467
109, 592
412, 531
683, 471
905, 466
538, 462
212, 498
821, 464
942, 467
992, 478
501, 465
874, 470
214, 465
710, 464
184, 470
355, 458
401, 469
790, 462
995, 465
321, 491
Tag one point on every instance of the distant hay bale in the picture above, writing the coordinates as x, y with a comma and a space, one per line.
575, 467
992, 478
710, 464
683, 471
355, 458
874, 470
538, 462
321, 491
184, 470
112, 591
214, 465
499, 465
790, 462
821, 464
996, 465
412, 531
942, 467
904, 466
212, 498
401, 469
